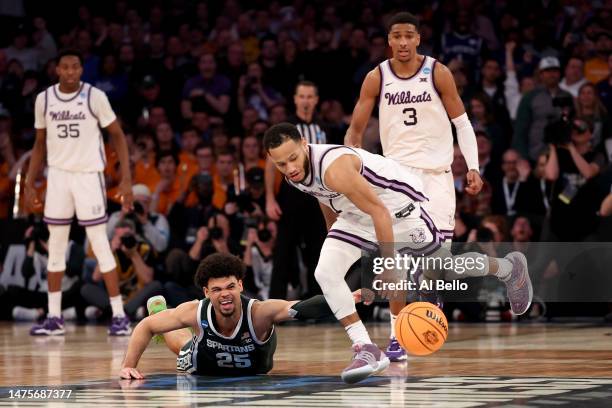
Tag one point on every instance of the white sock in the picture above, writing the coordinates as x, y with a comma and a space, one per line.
358, 333
392, 321
504, 267
55, 303
117, 306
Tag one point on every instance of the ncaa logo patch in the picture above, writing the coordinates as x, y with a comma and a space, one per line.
426, 70
417, 235
205, 324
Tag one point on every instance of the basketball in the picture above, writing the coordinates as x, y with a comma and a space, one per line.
421, 328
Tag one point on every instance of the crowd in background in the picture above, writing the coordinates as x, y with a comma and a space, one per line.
195, 85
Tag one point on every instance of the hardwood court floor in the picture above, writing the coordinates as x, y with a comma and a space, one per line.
567, 354
87, 353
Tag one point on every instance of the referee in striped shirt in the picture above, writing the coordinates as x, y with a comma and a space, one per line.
299, 217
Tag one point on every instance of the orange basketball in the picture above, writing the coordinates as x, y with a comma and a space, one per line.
421, 328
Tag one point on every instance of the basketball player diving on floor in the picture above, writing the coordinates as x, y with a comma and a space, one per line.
68, 117
416, 97
368, 201
233, 335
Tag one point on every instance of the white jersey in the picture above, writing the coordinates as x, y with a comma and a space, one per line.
72, 121
414, 127
398, 188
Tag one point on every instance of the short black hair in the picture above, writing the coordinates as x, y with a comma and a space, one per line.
218, 265
403, 18
307, 83
167, 153
278, 134
69, 52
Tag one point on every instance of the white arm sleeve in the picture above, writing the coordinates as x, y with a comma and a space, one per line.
101, 108
39, 112
467, 141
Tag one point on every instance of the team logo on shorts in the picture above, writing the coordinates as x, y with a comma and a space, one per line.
96, 209
417, 235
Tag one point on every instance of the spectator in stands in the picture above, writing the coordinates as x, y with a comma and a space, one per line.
462, 44
258, 255
574, 76
254, 92
223, 180
152, 227
570, 166
480, 111
251, 153
169, 186
604, 87
208, 90
20, 50
110, 80
492, 85
536, 110
135, 260
596, 68
590, 108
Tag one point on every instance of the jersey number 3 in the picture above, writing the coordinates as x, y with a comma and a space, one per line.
72, 130
411, 116
228, 360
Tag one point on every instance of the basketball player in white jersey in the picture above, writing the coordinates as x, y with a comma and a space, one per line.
367, 200
68, 117
416, 97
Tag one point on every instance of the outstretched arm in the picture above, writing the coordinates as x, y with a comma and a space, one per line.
171, 319
363, 109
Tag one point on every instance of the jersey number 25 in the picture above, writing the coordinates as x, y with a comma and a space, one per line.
228, 360
72, 130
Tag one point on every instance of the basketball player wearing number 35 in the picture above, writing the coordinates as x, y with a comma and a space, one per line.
68, 117
416, 97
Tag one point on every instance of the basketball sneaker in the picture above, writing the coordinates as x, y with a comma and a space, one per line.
157, 304
368, 360
518, 284
51, 326
120, 326
394, 351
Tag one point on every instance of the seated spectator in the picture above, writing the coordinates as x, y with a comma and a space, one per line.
604, 87
574, 76
188, 165
251, 153
208, 90
482, 118
205, 159
521, 232
201, 122
590, 108
596, 68
164, 137
135, 260
151, 226
516, 192
277, 114
253, 92
169, 187
111, 80
143, 155
223, 180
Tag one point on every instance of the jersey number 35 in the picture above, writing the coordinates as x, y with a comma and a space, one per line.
64, 130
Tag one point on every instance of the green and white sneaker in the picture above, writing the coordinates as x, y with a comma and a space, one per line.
157, 304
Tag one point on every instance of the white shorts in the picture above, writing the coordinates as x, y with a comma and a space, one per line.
439, 188
412, 235
69, 192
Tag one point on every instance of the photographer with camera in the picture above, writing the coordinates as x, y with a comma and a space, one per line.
247, 203
571, 163
261, 238
151, 226
135, 260
253, 92
23, 281
536, 110
210, 238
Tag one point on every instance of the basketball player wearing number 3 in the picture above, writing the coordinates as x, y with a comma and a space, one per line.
416, 97
68, 117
